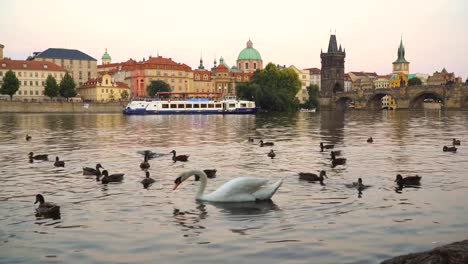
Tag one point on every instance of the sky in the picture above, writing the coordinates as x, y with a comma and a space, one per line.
435, 32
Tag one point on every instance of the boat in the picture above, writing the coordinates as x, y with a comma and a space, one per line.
160, 106
305, 110
432, 104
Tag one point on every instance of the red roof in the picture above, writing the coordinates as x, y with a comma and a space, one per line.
222, 68
361, 73
93, 83
29, 65
313, 70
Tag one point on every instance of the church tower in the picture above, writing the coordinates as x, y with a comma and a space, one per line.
332, 72
401, 65
106, 58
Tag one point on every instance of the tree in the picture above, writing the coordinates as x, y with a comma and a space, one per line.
158, 86
272, 88
67, 86
10, 84
414, 81
51, 87
124, 94
313, 91
111, 96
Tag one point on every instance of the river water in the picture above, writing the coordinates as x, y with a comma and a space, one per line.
304, 223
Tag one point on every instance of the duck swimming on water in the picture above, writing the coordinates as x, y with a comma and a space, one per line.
59, 163
46, 209
271, 154
210, 173
266, 143
410, 180
370, 140
92, 171
456, 142
38, 157
28, 137
337, 161
449, 149
147, 181
176, 157
145, 164
313, 177
117, 177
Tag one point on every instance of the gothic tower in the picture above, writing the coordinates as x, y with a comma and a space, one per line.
332, 73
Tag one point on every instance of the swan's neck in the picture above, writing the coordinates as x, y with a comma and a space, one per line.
203, 182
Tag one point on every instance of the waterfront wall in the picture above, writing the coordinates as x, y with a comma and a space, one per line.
60, 107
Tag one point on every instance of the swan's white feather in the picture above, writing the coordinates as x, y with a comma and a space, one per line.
243, 189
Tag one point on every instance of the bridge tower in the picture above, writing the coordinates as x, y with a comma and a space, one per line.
332, 73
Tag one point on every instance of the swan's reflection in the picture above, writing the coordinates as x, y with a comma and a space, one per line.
190, 220
246, 208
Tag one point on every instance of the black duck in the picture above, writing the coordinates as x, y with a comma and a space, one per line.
59, 163
266, 143
46, 209
38, 157
147, 181
117, 177
313, 177
92, 171
271, 154
449, 149
176, 157
410, 180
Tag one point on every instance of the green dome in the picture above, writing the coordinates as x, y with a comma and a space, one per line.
106, 56
249, 53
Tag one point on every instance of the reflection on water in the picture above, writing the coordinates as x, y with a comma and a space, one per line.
305, 222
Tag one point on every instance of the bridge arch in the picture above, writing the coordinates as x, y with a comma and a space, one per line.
375, 101
344, 103
418, 100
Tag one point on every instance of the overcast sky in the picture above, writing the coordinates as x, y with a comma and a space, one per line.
435, 32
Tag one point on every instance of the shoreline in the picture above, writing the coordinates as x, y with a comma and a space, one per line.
61, 107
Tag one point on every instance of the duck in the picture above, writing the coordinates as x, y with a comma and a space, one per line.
456, 142
117, 177
266, 143
92, 171
251, 139
179, 157
410, 180
210, 173
59, 163
358, 185
28, 137
242, 189
449, 149
322, 146
370, 140
313, 177
337, 161
38, 157
145, 164
46, 209
147, 181
271, 154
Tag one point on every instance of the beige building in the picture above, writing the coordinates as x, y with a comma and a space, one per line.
314, 76
382, 82
32, 76
304, 78
102, 89
79, 65
1, 51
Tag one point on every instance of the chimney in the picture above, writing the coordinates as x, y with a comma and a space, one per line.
1, 51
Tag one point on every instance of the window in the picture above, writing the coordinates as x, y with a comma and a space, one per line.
210, 105
89, 64
188, 106
255, 65
43, 83
19, 74
30, 74
102, 90
19, 92
107, 90
196, 106
173, 105
244, 105
107, 81
246, 65
172, 80
203, 105
205, 77
37, 83
180, 106
165, 106
197, 77
89, 75
31, 83
218, 105
80, 75
37, 92
180, 88
180, 80
30, 92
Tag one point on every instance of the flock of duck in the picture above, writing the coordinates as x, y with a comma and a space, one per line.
242, 189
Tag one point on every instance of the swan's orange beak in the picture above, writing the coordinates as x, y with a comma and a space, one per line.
176, 185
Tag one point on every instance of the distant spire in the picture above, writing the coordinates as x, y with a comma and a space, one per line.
332, 46
340, 49
249, 44
201, 67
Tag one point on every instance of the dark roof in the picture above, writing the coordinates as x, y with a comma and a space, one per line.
64, 54
332, 46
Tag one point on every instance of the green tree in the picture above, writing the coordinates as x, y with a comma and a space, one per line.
272, 88
51, 87
124, 94
111, 96
312, 102
414, 81
158, 86
67, 86
10, 84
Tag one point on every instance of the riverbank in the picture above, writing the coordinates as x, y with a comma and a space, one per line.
61, 107
455, 253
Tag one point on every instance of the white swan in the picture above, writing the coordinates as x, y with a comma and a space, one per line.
243, 189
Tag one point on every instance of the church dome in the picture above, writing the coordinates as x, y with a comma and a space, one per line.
249, 53
106, 56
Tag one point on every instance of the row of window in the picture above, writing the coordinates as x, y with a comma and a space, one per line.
158, 73
247, 65
31, 92
34, 74
190, 106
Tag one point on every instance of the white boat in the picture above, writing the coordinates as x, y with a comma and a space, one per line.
228, 105
305, 110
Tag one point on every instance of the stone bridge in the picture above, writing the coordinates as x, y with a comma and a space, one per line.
411, 97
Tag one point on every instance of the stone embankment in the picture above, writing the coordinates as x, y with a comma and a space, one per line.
61, 107
455, 253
